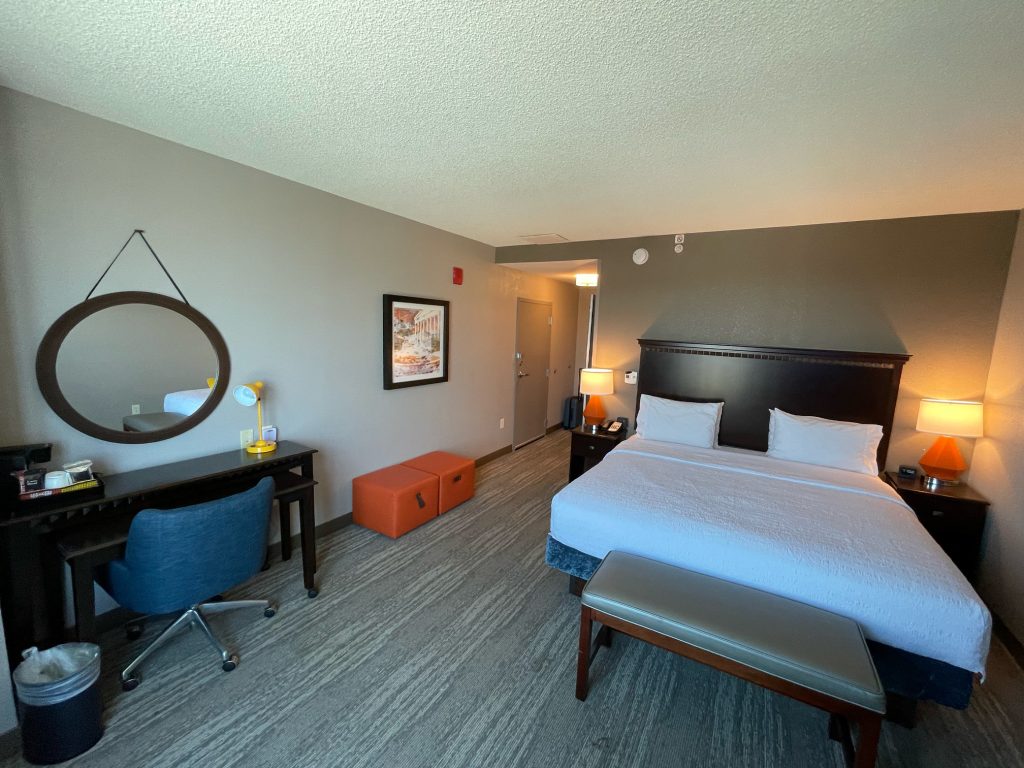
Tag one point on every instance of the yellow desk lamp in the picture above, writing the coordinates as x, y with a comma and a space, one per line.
252, 394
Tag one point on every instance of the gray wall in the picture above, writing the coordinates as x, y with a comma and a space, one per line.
291, 276
929, 286
998, 468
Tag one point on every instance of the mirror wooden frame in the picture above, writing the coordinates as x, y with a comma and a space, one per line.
49, 347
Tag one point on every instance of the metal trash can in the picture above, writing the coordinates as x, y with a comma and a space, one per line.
59, 703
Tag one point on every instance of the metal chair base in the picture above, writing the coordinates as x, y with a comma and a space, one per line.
194, 617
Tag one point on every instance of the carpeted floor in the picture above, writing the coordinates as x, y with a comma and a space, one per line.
455, 646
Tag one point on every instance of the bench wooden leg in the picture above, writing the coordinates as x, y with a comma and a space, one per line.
604, 636
867, 741
583, 655
576, 585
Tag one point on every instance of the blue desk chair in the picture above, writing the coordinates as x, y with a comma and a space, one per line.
176, 558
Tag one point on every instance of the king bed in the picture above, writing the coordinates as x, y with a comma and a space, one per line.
840, 540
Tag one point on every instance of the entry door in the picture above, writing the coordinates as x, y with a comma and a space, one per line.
532, 366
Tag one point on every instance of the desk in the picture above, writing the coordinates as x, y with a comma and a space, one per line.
31, 569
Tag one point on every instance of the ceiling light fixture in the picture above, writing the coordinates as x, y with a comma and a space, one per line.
586, 280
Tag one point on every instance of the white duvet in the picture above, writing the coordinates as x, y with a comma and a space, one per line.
185, 402
839, 540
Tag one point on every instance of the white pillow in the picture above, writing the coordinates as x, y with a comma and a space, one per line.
828, 443
674, 421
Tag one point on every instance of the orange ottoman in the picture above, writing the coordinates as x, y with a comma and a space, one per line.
394, 500
455, 475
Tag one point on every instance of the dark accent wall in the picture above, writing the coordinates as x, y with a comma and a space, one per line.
930, 286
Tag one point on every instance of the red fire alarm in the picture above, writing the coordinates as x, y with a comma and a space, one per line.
456, 275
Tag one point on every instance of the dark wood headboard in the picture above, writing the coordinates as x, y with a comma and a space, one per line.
847, 386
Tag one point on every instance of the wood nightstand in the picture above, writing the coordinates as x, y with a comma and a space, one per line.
953, 514
589, 448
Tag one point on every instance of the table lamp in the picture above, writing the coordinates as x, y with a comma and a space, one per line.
595, 382
252, 394
942, 463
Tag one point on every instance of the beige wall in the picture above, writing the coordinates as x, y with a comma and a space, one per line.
291, 276
998, 468
929, 286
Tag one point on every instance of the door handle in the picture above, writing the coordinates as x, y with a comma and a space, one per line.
522, 375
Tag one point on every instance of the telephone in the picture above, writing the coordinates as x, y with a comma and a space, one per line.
614, 427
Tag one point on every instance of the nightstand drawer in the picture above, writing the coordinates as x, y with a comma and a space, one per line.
588, 449
595, 447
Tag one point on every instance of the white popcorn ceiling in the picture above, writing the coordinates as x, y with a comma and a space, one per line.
591, 119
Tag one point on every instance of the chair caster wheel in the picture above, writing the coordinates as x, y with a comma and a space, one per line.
269, 612
230, 664
312, 593
133, 631
129, 683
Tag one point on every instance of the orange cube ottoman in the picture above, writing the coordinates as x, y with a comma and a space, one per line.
394, 500
455, 474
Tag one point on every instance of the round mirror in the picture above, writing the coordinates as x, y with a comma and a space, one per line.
132, 367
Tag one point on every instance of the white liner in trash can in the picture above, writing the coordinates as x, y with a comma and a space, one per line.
57, 674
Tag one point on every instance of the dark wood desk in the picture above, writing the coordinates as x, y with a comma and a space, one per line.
31, 568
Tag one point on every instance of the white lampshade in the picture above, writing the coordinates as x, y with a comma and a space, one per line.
248, 394
954, 418
596, 381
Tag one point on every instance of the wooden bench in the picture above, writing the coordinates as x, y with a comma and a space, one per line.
797, 650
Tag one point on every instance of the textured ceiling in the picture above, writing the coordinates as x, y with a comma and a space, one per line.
593, 119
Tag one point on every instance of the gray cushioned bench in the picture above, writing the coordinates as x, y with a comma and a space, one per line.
150, 422
798, 650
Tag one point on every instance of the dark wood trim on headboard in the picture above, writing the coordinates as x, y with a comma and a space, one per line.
846, 386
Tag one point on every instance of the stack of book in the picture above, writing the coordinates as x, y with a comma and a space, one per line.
47, 492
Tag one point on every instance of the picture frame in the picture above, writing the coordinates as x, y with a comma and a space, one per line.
416, 341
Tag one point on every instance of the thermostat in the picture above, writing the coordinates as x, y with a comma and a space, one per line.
631, 377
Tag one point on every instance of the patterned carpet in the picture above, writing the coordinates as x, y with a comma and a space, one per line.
455, 646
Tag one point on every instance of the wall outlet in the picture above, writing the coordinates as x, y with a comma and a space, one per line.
245, 438
501, 423
136, 409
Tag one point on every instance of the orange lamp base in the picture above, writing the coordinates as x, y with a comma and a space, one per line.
943, 462
594, 413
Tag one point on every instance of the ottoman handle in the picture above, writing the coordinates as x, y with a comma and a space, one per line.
420, 501
457, 478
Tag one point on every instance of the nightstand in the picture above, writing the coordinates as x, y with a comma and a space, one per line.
953, 514
588, 448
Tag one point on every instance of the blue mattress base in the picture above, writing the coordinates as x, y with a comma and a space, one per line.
902, 673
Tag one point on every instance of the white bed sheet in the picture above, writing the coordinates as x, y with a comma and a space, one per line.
839, 540
187, 401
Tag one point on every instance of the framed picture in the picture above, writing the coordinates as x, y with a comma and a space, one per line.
415, 341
